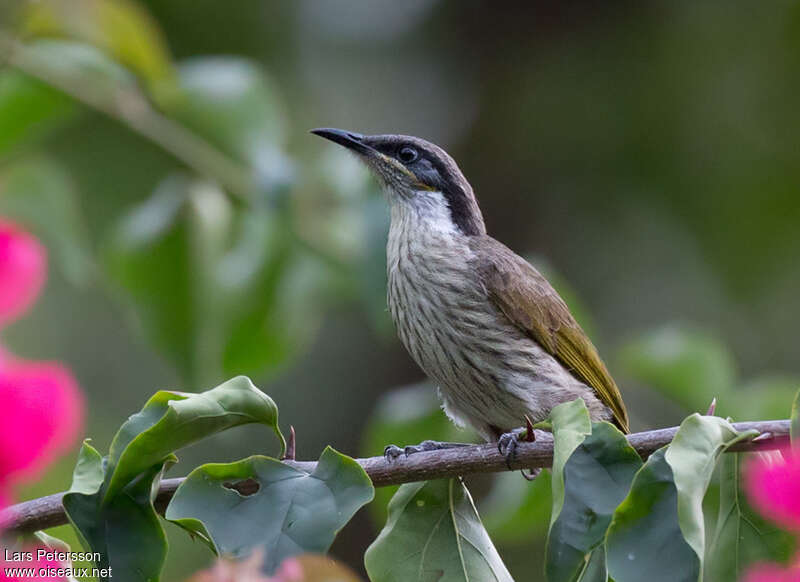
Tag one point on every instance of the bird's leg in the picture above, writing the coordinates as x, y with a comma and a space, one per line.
391, 452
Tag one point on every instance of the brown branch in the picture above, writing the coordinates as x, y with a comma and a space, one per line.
47, 512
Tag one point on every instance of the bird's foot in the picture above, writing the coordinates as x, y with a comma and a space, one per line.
392, 452
507, 445
508, 442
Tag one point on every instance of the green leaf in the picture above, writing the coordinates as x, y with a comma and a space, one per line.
110, 501
406, 416
663, 511
571, 425
644, 540
89, 472
596, 477
741, 537
121, 28
434, 533
39, 194
164, 254
594, 569
29, 110
125, 530
172, 420
291, 513
794, 428
232, 103
692, 455
689, 366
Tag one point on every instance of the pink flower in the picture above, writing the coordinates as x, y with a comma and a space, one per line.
772, 482
23, 270
290, 570
771, 573
773, 486
40, 419
42, 408
302, 568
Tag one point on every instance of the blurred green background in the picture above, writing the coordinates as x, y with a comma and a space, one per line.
644, 155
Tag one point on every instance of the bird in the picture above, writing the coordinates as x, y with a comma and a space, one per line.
483, 324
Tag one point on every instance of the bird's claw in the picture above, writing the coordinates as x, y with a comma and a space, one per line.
532, 474
422, 447
507, 446
391, 453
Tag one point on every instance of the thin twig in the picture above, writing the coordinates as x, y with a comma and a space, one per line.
291, 446
47, 512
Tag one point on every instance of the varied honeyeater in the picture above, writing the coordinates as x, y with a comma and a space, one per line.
484, 325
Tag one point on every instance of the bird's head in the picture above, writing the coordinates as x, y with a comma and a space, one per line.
417, 174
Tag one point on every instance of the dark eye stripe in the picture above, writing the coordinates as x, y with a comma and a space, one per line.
434, 169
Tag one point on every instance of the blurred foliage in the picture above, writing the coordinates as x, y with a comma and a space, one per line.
122, 29
515, 509
692, 368
39, 193
29, 109
230, 102
163, 254
219, 285
687, 365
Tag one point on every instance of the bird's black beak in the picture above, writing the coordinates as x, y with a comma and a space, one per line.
350, 140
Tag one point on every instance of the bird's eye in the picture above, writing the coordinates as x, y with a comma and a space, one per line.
407, 155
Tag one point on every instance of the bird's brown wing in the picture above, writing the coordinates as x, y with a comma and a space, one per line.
531, 303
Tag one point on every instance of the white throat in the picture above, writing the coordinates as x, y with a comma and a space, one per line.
424, 212
422, 232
